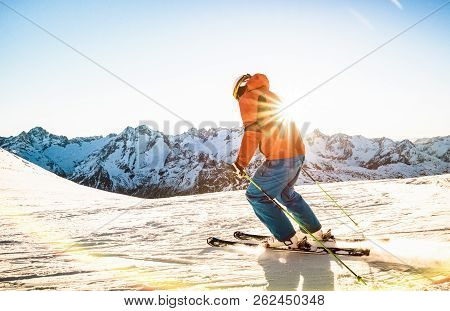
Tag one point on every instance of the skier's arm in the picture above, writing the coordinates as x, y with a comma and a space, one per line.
250, 141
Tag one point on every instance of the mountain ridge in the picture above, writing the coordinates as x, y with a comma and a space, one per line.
147, 163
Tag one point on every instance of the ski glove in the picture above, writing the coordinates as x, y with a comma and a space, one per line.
238, 170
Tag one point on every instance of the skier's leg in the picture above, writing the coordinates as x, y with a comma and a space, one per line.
273, 180
300, 209
297, 205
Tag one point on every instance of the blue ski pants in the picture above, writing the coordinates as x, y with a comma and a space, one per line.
277, 178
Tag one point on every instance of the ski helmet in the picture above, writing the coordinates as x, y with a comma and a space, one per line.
239, 86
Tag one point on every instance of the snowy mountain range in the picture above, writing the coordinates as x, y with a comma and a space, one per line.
147, 163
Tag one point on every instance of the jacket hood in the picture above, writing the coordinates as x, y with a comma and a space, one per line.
258, 81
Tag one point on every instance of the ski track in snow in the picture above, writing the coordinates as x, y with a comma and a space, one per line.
60, 235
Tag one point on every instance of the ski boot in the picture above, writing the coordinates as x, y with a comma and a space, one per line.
293, 242
326, 238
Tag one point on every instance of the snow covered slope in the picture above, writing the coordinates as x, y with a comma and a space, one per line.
60, 235
147, 163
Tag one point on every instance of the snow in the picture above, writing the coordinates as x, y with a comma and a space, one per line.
57, 234
68, 156
158, 155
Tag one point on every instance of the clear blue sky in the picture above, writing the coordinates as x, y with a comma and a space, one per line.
187, 54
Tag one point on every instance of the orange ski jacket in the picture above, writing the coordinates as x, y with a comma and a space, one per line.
276, 137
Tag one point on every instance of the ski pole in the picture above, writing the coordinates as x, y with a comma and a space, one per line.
359, 278
330, 197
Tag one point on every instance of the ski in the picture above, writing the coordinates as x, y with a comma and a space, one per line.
216, 242
255, 237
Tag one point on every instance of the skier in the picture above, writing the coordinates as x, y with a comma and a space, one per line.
282, 145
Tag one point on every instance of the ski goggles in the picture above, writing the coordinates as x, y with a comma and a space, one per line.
240, 85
